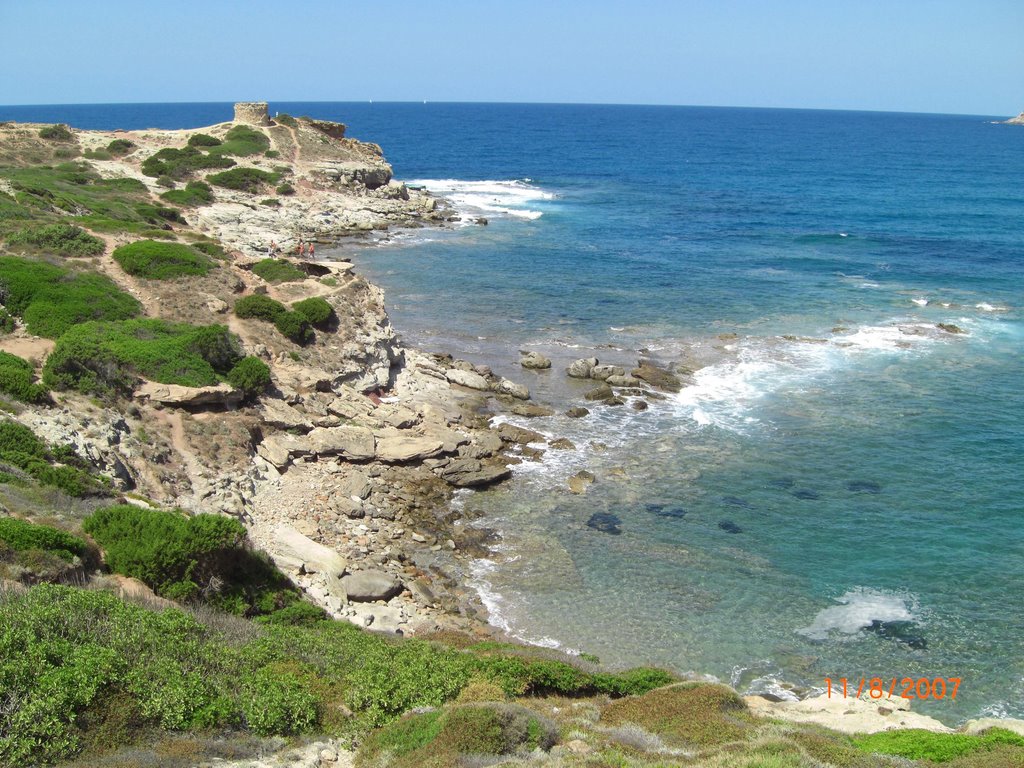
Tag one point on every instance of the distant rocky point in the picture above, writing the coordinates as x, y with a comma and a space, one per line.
1018, 120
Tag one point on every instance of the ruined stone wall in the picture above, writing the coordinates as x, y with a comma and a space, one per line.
252, 113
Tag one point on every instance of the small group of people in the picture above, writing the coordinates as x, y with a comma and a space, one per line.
302, 249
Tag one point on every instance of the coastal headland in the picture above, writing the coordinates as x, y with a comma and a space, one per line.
339, 448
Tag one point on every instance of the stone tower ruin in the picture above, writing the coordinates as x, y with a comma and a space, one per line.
252, 113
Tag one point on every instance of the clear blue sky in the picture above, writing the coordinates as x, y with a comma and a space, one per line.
956, 56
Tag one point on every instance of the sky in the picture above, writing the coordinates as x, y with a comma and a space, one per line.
944, 56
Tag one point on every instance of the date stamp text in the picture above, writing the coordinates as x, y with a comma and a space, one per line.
906, 687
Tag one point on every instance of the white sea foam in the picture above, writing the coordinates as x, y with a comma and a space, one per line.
489, 198
727, 394
857, 609
986, 307
920, 302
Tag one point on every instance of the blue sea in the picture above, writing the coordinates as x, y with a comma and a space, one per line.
837, 458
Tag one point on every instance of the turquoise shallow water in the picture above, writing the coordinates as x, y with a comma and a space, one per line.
872, 463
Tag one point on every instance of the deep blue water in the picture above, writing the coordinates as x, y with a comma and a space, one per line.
802, 261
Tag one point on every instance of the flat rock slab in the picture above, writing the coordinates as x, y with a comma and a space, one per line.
370, 586
278, 413
395, 446
467, 379
470, 473
354, 443
175, 394
294, 551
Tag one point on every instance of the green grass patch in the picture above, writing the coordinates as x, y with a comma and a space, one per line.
161, 261
251, 180
60, 239
52, 299
58, 467
278, 271
916, 744
20, 536
17, 380
6, 321
195, 193
108, 357
97, 154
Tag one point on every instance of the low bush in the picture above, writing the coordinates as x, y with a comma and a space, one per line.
242, 141
20, 535
251, 375
97, 154
685, 715
158, 214
60, 468
917, 744
195, 193
251, 180
161, 261
107, 358
17, 379
259, 307
283, 118
274, 701
182, 163
52, 299
278, 271
203, 140
271, 202
285, 189
120, 147
294, 326
58, 132
60, 239
210, 248
317, 311
165, 181
6, 321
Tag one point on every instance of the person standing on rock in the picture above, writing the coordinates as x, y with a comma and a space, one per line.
299, 251
309, 250
273, 249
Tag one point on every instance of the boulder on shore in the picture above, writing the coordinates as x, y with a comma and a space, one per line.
513, 389
657, 377
468, 379
580, 369
370, 586
534, 361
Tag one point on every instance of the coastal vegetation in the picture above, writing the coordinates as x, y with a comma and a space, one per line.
278, 271
51, 299
108, 358
161, 260
195, 193
290, 323
17, 380
21, 451
60, 239
251, 180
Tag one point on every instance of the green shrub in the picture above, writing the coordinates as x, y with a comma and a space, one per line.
203, 140
259, 307
17, 379
166, 182
211, 248
317, 311
182, 163
120, 147
294, 326
271, 202
298, 614
161, 261
20, 536
21, 448
273, 154
195, 193
242, 141
61, 239
278, 271
97, 154
917, 744
251, 180
283, 118
6, 321
58, 132
251, 375
51, 299
285, 189
108, 358
277, 702
158, 214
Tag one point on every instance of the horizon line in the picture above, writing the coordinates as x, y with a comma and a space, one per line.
509, 103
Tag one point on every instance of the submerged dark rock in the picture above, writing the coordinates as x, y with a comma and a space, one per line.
806, 493
729, 526
665, 510
605, 522
863, 486
903, 632
736, 501
782, 482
